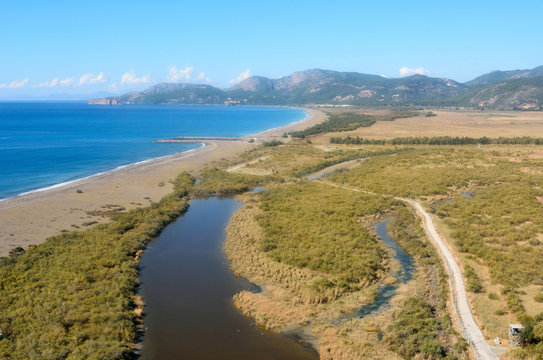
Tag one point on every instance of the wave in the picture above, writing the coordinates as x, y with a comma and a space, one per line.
121, 167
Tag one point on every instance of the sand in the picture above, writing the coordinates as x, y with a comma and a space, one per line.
32, 218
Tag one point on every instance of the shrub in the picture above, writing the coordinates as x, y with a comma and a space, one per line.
493, 296
474, 283
413, 332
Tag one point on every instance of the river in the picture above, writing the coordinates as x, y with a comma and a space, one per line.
187, 286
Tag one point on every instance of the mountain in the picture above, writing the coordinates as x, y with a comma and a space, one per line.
499, 76
168, 93
316, 86
514, 94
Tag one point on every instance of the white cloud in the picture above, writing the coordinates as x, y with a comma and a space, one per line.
51, 83
66, 82
408, 71
56, 82
178, 75
89, 79
15, 84
131, 78
202, 76
244, 75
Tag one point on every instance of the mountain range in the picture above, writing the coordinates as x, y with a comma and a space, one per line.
503, 90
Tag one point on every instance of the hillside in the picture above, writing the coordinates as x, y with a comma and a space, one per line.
499, 76
514, 94
318, 86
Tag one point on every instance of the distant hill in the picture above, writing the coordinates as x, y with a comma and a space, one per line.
499, 76
316, 86
514, 94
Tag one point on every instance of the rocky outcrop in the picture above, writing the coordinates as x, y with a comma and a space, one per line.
105, 101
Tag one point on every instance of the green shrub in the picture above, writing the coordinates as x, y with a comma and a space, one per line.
413, 332
218, 182
474, 283
493, 296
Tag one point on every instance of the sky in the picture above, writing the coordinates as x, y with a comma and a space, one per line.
82, 47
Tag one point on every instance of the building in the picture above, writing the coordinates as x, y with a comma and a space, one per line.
515, 331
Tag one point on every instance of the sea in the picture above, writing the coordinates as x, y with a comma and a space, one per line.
45, 145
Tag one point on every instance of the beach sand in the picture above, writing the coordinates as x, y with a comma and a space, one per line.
32, 218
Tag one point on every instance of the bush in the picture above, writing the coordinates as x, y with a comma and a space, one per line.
218, 182
413, 332
272, 143
493, 296
474, 283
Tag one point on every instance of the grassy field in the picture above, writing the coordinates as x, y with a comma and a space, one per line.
487, 202
451, 123
496, 230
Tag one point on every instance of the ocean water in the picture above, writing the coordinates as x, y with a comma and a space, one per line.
45, 144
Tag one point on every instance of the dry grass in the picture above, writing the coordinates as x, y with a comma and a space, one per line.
452, 123
286, 302
532, 307
287, 299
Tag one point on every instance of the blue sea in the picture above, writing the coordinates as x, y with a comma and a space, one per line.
45, 144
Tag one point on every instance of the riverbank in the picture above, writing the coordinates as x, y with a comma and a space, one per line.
32, 218
305, 300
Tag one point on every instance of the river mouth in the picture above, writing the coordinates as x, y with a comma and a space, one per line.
187, 287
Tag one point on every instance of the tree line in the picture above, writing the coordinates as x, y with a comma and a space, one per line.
439, 140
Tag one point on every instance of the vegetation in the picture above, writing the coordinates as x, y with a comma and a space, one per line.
499, 228
414, 331
439, 140
341, 156
72, 296
272, 143
329, 239
474, 283
333, 240
425, 172
218, 182
349, 120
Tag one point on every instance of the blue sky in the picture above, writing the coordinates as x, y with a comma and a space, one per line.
83, 46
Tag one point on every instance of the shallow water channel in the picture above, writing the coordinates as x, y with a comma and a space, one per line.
404, 274
187, 286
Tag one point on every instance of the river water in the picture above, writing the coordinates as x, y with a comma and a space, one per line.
404, 274
187, 286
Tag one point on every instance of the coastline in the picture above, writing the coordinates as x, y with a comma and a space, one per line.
29, 219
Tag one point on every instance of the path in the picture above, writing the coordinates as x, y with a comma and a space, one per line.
470, 329
465, 319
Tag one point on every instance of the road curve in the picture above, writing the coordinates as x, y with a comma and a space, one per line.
471, 331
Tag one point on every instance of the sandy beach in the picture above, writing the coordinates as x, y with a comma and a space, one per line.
32, 218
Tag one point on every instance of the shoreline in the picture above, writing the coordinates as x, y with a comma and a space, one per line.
31, 218
203, 144
101, 173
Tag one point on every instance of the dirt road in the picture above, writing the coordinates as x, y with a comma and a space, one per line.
470, 329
